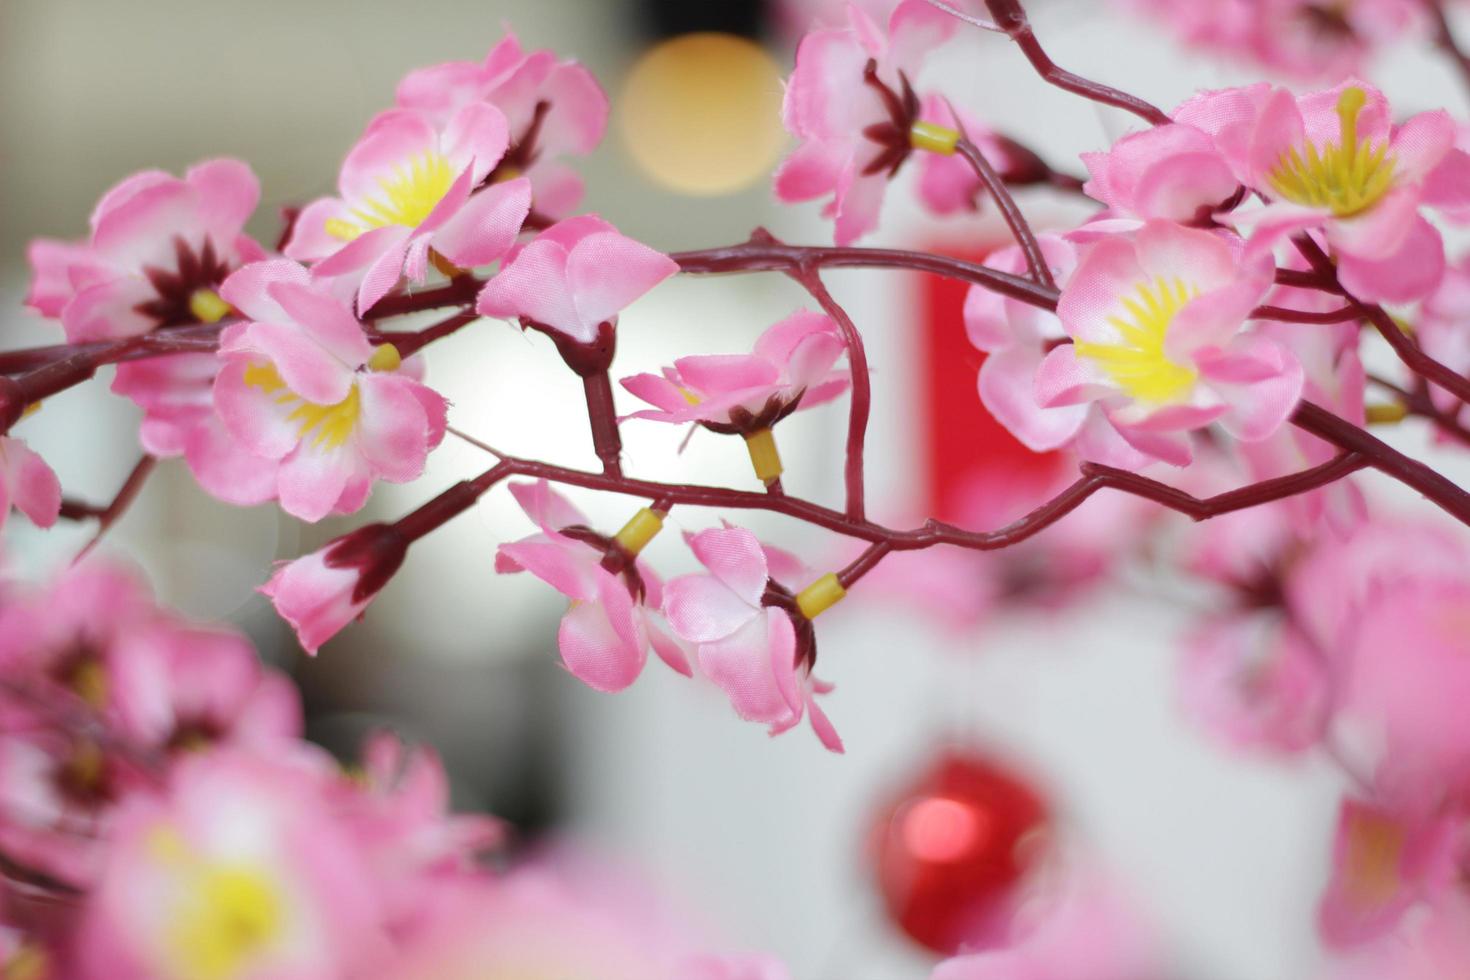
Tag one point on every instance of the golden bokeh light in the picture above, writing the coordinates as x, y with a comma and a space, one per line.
701, 113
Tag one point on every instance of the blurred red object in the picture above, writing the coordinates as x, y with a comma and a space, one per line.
952, 848
963, 438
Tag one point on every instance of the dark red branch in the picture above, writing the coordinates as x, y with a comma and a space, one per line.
603, 417
1015, 220
1010, 17
108, 515
860, 405
1285, 315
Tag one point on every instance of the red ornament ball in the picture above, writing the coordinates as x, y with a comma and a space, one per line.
951, 850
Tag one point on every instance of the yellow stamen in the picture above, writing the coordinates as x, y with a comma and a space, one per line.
764, 456
229, 916
88, 681
934, 138
28, 962
385, 358
408, 197
207, 306
332, 423
820, 596
30, 410
690, 396
1375, 845
640, 529
1138, 362
1348, 176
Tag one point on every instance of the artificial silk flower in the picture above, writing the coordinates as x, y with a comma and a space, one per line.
1172, 172
410, 196
27, 484
1440, 330
301, 384
1306, 39
160, 248
237, 869
790, 368
1016, 337
947, 182
850, 102
1158, 346
613, 617
1384, 861
320, 593
552, 107
749, 649
1333, 162
573, 278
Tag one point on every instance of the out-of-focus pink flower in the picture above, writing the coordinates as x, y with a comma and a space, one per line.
573, 278
409, 188
301, 384
552, 108
236, 870
1158, 349
1334, 162
1306, 39
159, 250
791, 368
851, 104
320, 593
185, 688
1433, 948
1405, 685
747, 648
1088, 932
612, 621
27, 484
1172, 172
1383, 862
1016, 337
1441, 331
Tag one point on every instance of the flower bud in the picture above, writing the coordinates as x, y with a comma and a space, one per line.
322, 592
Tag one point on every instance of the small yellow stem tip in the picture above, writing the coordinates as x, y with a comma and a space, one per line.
640, 529
207, 306
764, 456
385, 358
935, 139
820, 596
1386, 414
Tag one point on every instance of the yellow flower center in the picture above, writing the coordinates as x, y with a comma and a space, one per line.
27, 962
1348, 176
1137, 362
408, 197
1374, 846
332, 424
227, 914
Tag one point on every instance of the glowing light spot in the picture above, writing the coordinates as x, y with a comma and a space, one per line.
408, 197
1138, 363
228, 915
333, 424
939, 829
1348, 176
207, 306
700, 113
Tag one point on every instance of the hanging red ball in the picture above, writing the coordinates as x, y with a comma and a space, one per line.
952, 849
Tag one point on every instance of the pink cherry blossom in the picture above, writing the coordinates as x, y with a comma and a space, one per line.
1086, 932
236, 870
1333, 162
574, 277
1383, 862
749, 649
790, 368
1158, 349
410, 191
1172, 172
854, 127
612, 620
27, 484
320, 593
1016, 336
301, 384
552, 108
1440, 329
160, 248
1306, 39
1432, 948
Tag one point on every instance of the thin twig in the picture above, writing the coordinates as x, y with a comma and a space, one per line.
1006, 204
